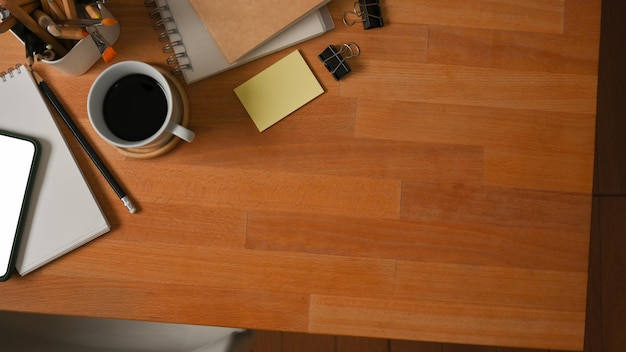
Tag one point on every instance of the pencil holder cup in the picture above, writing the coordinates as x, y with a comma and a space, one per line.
86, 52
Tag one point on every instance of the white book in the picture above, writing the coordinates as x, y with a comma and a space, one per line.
63, 213
196, 54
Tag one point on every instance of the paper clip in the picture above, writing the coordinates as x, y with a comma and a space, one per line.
335, 62
368, 12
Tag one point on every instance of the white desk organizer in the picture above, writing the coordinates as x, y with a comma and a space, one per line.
85, 53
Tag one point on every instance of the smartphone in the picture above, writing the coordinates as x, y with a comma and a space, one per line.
18, 161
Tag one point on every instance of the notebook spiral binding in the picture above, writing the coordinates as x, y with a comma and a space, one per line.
166, 24
10, 72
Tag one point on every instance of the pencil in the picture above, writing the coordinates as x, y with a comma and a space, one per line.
55, 11
45, 89
22, 16
69, 6
8, 23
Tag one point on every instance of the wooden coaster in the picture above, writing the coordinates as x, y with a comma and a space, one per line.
153, 152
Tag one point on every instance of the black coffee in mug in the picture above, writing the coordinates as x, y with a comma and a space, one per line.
135, 107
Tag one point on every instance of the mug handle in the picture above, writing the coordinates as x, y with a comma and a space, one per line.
181, 132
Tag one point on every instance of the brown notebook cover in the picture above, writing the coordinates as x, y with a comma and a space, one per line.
239, 26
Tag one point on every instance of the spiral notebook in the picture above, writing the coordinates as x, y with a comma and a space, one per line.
63, 213
195, 54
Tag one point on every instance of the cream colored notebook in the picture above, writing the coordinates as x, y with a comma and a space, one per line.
63, 213
240, 26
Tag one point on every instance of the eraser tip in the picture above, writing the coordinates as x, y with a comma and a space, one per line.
109, 54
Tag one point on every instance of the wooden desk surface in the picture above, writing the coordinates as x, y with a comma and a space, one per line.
441, 191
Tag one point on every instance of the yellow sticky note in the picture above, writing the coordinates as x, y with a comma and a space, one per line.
279, 90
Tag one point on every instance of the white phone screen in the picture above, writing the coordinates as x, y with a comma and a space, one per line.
17, 163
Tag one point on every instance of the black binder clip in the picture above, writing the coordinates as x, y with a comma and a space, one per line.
368, 12
335, 61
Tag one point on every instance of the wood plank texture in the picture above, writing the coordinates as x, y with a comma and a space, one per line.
606, 325
162, 262
531, 16
445, 321
262, 189
611, 127
560, 53
612, 229
315, 233
451, 282
516, 208
475, 244
441, 192
449, 84
594, 341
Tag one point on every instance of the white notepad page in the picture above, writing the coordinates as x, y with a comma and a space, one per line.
63, 213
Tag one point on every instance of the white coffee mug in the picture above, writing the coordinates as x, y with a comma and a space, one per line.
173, 116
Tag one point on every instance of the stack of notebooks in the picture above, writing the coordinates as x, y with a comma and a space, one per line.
209, 37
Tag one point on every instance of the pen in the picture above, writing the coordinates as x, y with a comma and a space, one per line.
83, 22
83, 142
